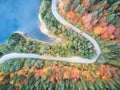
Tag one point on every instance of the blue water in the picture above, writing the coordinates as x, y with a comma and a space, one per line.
20, 15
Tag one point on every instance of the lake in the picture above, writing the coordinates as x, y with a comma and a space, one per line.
20, 15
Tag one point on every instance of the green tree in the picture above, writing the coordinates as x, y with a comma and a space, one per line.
67, 8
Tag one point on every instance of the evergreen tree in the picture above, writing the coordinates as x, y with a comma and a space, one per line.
67, 8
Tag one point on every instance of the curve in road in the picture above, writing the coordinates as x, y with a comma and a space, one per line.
64, 22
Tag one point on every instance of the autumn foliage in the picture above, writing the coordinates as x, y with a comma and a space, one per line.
100, 27
58, 73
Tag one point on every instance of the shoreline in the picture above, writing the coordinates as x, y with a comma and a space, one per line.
43, 27
19, 32
45, 31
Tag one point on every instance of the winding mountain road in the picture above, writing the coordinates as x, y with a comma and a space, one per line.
72, 59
